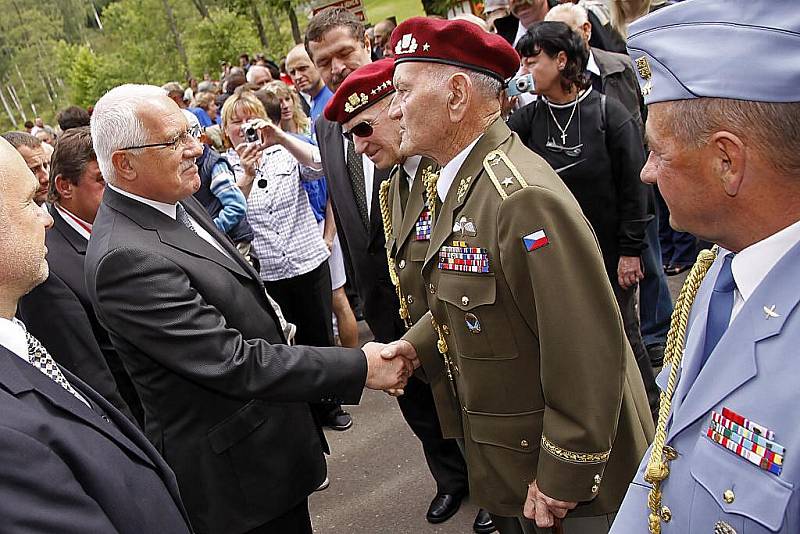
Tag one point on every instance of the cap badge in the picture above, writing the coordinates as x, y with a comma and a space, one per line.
355, 101
406, 45
643, 66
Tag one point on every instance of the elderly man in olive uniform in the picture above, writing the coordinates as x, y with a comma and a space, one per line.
553, 412
407, 225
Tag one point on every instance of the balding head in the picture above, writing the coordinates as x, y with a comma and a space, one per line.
259, 75
301, 70
575, 17
383, 31
22, 226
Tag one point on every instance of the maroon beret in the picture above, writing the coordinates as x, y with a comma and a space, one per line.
454, 42
361, 89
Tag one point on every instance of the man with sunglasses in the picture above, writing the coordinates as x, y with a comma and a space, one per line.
523, 324
226, 400
403, 202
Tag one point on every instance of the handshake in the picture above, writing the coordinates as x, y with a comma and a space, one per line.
390, 366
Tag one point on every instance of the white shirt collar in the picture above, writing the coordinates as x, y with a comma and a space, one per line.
591, 65
411, 166
521, 30
72, 220
12, 337
751, 265
449, 171
167, 209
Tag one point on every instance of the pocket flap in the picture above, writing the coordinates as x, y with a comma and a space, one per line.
238, 426
759, 496
521, 432
467, 291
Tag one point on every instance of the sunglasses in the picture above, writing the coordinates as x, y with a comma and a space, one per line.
364, 128
571, 151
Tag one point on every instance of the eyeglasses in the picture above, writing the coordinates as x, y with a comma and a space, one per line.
364, 128
182, 139
571, 151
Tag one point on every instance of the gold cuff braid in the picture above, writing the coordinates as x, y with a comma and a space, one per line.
572, 456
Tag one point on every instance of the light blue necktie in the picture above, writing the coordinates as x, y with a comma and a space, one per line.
720, 307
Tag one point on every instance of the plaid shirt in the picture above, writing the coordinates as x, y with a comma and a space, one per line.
286, 236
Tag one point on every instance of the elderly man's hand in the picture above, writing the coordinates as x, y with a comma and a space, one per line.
543, 509
387, 367
629, 271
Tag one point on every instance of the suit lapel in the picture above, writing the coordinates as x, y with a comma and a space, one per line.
70, 235
734, 360
465, 180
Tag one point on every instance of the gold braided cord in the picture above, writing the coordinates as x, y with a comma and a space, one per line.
574, 457
383, 197
429, 178
657, 466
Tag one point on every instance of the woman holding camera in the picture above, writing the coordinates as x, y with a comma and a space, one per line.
596, 147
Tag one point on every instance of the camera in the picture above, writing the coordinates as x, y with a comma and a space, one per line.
250, 132
521, 84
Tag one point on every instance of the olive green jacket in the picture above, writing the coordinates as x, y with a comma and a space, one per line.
545, 378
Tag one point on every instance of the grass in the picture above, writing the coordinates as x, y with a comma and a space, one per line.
377, 10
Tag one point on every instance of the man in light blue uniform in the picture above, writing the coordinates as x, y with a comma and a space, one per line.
722, 82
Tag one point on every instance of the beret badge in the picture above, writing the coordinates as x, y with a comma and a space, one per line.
643, 66
355, 101
406, 45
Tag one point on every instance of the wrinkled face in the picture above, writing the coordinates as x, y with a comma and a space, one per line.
338, 54
302, 72
686, 183
261, 76
382, 146
418, 106
22, 226
166, 174
39, 165
87, 193
544, 69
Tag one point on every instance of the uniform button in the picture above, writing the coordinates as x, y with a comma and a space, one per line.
446, 329
597, 479
465, 300
432, 288
666, 514
402, 264
105, 418
595, 488
410, 299
728, 496
524, 444
464, 408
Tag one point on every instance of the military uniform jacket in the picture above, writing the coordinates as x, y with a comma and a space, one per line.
713, 487
546, 381
408, 245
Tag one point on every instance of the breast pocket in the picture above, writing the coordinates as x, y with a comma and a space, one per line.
479, 325
734, 492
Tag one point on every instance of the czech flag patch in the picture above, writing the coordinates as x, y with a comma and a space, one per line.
535, 240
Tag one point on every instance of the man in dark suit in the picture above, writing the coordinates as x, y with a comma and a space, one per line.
69, 461
58, 311
225, 399
337, 44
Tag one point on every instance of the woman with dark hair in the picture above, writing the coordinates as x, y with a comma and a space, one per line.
596, 147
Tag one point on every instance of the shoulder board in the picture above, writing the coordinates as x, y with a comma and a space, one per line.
496, 163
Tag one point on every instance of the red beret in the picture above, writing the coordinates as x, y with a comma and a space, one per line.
361, 89
454, 42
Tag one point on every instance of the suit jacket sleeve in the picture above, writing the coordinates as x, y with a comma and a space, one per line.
55, 316
152, 301
581, 340
39, 493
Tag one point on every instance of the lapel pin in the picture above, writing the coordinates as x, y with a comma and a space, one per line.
770, 313
462, 187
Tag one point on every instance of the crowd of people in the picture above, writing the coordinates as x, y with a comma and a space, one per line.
500, 198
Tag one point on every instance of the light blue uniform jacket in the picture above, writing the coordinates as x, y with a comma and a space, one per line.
754, 371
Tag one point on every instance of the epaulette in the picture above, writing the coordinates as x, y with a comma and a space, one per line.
497, 162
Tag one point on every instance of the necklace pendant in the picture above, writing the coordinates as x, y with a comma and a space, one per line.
563, 138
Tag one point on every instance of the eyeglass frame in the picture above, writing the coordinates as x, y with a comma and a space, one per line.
194, 132
349, 133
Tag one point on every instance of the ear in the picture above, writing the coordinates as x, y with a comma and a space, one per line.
63, 186
122, 166
459, 88
367, 44
730, 160
561, 60
586, 27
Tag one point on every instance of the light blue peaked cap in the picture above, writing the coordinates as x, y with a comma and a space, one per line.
739, 49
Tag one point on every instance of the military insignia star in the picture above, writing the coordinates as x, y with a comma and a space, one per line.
425, 47
508, 181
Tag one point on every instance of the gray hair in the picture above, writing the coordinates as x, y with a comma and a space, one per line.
772, 128
18, 139
572, 15
251, 73
116, 123
488, 87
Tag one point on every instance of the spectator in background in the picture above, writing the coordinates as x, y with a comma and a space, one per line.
28, 126
244, 62
45, 137
207, 86
205, 109
72, 117
284, 77
273, 68
38, 124
259, 75
175, 93
307, 81
293, 120
33, 152
493, 10
383, 31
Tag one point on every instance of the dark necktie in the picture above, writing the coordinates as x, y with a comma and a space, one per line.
404, 190
183, 217
355, 169
720, 307
41, 359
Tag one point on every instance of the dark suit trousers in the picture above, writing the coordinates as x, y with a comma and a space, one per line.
295, 521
